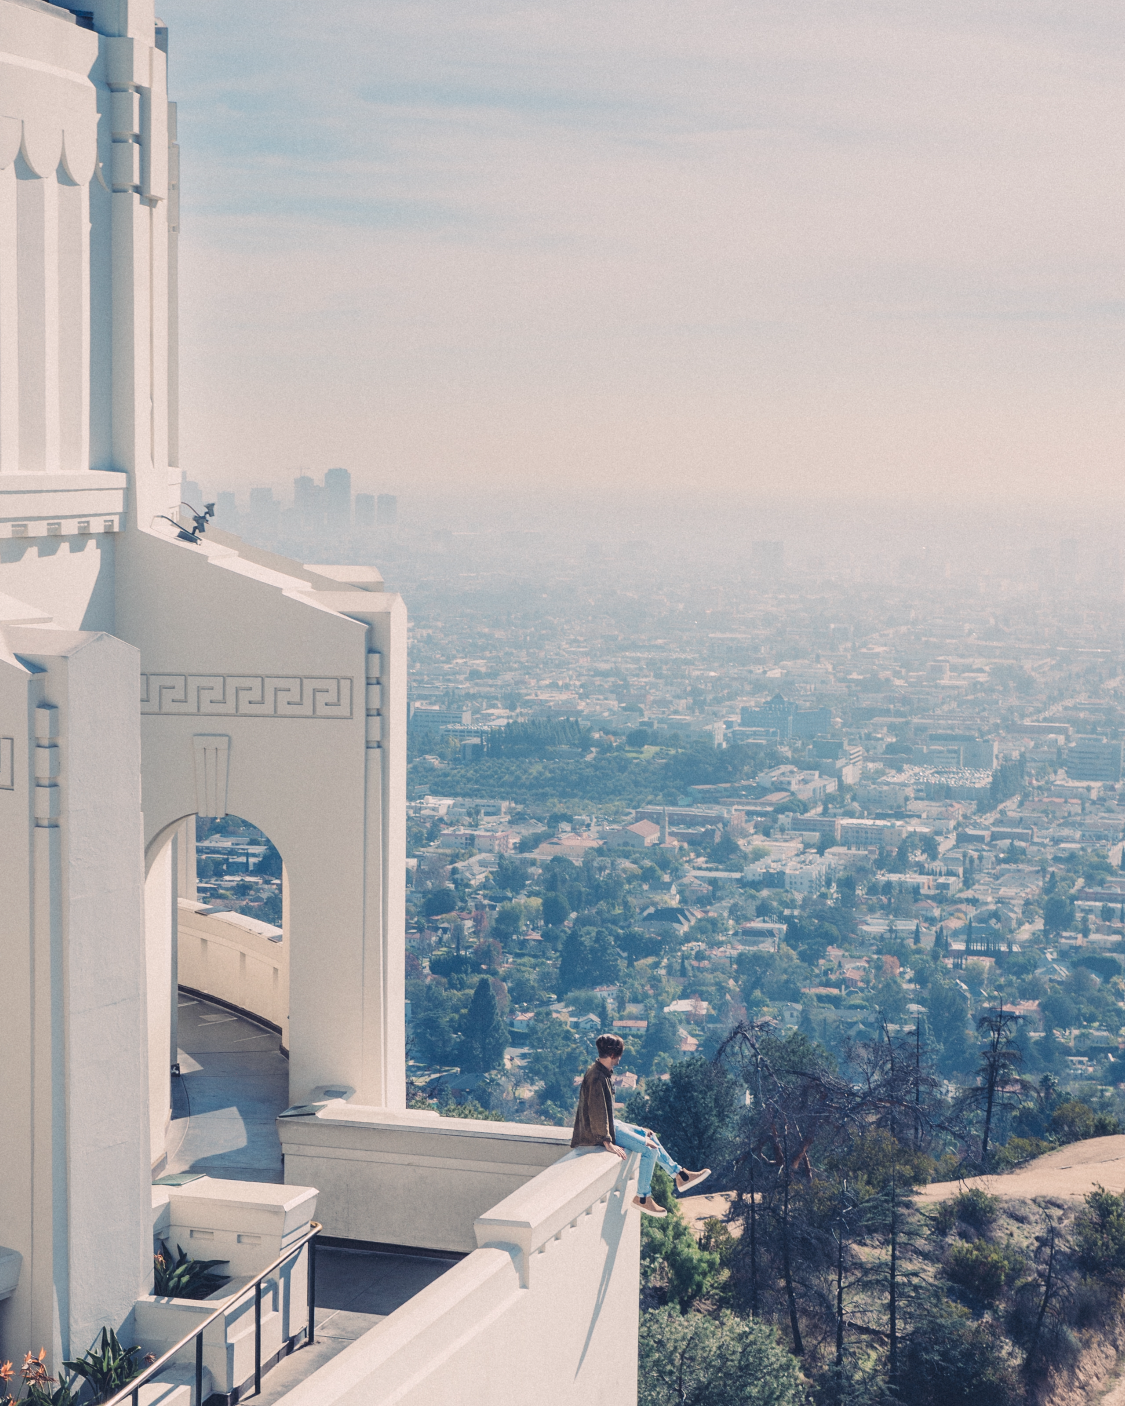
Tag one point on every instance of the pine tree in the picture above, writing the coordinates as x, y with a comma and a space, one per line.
484, 1035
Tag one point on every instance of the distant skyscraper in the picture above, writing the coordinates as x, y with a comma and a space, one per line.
304, 493
226, 511
365, 510
338, 496
386, 512
1094, 759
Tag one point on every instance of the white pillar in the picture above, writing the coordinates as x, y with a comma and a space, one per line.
9, 326
75, 1199
159, 933
37, 261
73, 276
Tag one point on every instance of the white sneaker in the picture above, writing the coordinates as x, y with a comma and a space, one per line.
649, 1206
686, 1180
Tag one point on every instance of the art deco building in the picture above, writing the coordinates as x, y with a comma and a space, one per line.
150, 674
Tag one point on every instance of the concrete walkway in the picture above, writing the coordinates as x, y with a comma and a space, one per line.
355, 1290
233, 1083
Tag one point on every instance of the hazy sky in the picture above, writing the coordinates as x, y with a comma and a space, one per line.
791, 247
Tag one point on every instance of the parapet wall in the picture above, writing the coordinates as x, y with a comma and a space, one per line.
545, 1310
236, 959
412, 1178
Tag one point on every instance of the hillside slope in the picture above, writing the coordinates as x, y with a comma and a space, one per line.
1067, 1174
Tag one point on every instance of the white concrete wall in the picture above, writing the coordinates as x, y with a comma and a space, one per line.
241, 961
87, 465
76, 1183
546, 1310
159, 943
412, 1177
234, 649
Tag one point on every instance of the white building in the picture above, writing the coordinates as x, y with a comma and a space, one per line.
805, 785
149, 675
808, 877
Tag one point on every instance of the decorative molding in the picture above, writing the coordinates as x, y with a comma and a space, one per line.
7, 763
212, 768
244, 696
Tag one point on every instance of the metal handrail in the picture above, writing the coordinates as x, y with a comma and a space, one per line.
133, 1388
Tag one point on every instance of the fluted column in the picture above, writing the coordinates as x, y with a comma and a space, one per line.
37, 307
9, 327
73, 276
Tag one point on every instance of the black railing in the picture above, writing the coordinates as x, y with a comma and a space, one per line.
155, 1368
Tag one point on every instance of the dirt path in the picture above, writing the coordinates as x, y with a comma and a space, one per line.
1067, 1174
697, 1209
1115, 1392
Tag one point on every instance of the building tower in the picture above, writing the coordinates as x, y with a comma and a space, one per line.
148, 675
338, 497
152, 673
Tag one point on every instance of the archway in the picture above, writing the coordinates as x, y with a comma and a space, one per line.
217, 953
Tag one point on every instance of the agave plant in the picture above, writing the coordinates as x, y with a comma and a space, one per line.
184, 1278
106, 1366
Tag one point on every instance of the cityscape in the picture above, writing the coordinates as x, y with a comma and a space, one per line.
858, 813
562, 705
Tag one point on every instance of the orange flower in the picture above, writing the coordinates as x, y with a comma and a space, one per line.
6, 1371
34, 1370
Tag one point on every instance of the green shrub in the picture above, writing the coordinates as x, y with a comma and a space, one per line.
951, 1362
1099, 1236
692, 1360
674, 1266
1074, 1121
1018, 1150
716, 1238
976, 1208
944, 1217
981, 1269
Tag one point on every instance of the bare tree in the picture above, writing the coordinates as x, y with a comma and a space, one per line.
999, 1067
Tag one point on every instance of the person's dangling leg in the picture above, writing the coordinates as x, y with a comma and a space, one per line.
661, 1154
682, 1178
634, 1139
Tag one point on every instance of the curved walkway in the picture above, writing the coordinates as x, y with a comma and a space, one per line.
233, 1083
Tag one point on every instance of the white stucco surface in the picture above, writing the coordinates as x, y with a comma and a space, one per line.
240, 960
412, 1177
544, 1311
89, 225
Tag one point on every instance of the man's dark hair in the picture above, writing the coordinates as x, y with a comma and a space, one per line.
610, 1045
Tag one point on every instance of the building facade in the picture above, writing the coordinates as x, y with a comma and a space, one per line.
151, 673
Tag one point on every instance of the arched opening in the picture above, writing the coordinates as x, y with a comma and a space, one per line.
216, 903
238, 868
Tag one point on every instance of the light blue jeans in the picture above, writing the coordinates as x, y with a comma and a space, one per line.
634, 1139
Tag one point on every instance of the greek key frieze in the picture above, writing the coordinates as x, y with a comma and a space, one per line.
244, 696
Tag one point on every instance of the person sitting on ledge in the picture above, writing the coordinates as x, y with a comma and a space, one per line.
594, 1127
